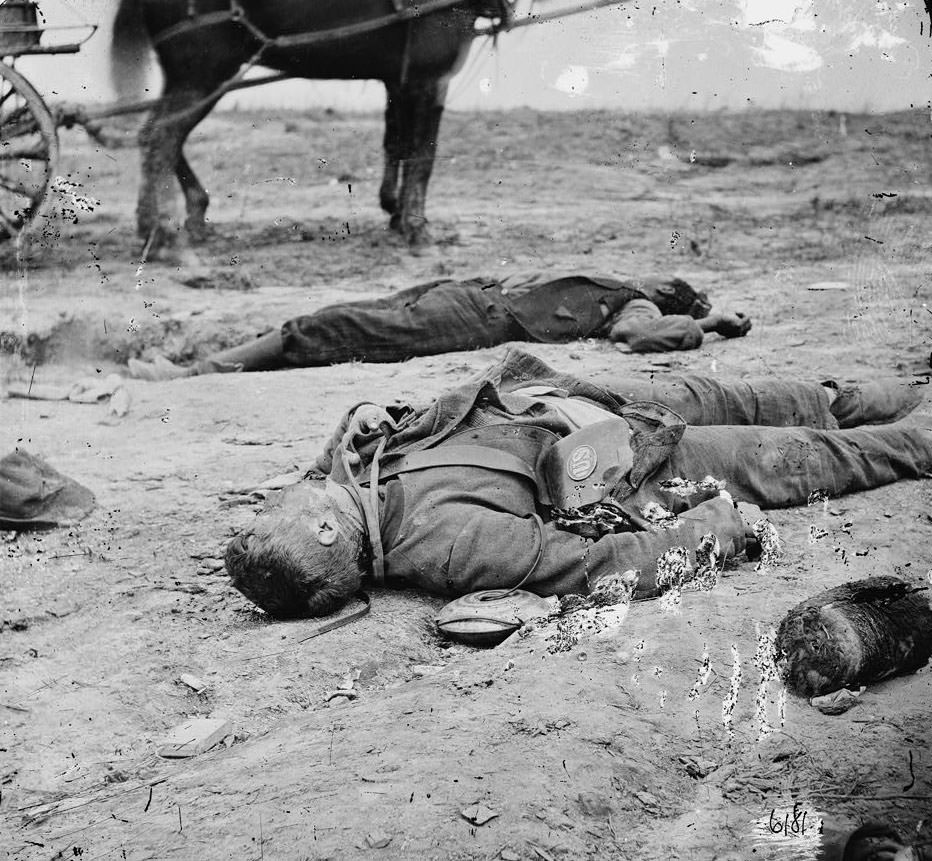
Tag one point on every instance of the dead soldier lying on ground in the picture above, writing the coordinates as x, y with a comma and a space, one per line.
528, 476
649, 315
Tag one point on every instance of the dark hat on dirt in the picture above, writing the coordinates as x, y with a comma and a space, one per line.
35, 496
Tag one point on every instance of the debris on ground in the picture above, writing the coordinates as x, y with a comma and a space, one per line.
193, 737
345, 691
378, 840
837, 702
478, 813
193, 682
697, 766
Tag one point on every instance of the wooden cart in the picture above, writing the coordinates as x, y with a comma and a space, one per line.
28, 130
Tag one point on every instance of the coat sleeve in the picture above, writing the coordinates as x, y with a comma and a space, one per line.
673, 332
495, 549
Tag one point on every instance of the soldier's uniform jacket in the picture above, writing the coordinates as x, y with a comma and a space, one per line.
458, 528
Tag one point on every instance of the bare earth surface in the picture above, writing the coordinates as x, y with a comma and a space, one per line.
815, 226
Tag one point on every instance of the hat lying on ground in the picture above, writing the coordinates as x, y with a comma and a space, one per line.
35, 496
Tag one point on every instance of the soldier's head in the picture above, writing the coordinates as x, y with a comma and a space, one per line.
305, 555
677, 297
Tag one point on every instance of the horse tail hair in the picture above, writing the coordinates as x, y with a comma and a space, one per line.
130, 50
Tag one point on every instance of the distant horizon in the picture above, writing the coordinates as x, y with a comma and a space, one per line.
739, 109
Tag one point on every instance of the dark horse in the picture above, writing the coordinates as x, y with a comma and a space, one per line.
203, 43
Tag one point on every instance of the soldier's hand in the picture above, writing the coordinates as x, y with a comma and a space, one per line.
369, 419
750, 514
733, 324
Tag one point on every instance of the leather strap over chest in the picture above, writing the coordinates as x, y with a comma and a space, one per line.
510, 448
568, 473
458, 455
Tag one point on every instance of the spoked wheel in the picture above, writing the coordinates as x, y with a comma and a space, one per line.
28, 153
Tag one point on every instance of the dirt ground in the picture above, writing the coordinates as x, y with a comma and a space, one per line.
815, 224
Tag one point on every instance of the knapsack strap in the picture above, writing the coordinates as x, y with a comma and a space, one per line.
480, 456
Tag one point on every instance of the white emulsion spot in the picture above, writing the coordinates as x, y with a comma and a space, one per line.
785, 55
628, 59
573, 80
485, 86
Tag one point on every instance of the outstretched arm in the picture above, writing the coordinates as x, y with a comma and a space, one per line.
644, 332
728, 324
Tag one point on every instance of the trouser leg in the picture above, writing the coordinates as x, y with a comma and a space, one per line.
704, 400
262, 354
782, 467
424, 321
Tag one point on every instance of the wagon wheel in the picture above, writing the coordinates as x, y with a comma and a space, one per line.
28, 152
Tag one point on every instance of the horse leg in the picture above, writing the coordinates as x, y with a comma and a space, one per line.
161, 140
195, 197
422, 107
392, 146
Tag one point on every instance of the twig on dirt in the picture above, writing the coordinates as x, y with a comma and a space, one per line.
180, 826
14, 708
146, 808
912, 775
39, 815
188, 588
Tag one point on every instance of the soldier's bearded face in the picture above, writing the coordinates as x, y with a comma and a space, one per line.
303, 557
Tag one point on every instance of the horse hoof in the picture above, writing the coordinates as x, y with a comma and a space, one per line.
394, 223
418, 238
170, 248
197, 230
183, 258
197, 235
159, 241
195, 269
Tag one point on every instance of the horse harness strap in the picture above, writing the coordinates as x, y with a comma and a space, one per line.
403, 11
198, 20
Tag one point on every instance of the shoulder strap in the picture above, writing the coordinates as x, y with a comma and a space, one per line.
480, 456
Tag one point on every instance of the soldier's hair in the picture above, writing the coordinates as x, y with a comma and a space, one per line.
280, 566
685, 300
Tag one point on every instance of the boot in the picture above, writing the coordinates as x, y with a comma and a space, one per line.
876, 403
